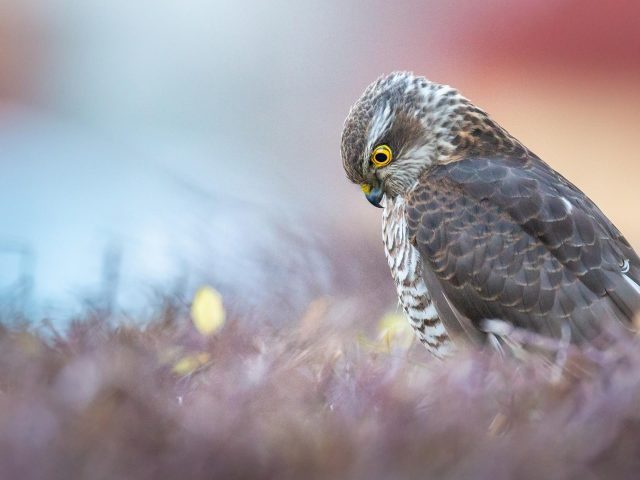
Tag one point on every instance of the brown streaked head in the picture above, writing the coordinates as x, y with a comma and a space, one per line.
381, 128
403, 123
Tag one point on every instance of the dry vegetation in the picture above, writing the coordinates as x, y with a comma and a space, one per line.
315, 400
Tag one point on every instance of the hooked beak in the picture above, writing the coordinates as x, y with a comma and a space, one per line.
374, 195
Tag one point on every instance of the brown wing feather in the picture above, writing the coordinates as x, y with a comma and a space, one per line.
511, 239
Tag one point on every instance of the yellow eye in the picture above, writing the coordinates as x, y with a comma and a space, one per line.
381, 156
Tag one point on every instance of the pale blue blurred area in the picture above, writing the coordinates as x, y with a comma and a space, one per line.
184, 140
73, 199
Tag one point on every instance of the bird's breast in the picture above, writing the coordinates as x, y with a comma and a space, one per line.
406, 269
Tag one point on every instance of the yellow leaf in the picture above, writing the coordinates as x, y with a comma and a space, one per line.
394, 334
190, 363
207, 311
395, 329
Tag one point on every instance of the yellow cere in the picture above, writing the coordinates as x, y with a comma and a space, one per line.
207, 311
366, 188
381, 156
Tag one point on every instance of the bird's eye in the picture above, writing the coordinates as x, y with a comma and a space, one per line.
381, 156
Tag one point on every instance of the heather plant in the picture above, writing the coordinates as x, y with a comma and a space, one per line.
331, 396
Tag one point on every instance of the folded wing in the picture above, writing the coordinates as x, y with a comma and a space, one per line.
511, 239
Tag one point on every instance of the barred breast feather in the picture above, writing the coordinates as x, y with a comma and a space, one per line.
406, 268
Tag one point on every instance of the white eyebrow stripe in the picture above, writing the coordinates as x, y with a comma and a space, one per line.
379, 123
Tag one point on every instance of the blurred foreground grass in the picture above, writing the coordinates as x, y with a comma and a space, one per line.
194, 395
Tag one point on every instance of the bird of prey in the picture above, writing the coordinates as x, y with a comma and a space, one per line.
484, 239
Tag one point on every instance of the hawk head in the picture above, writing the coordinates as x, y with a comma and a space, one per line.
404, 123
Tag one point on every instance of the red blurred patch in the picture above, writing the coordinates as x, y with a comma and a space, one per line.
569, 32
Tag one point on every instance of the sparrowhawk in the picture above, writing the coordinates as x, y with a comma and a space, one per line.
479, 232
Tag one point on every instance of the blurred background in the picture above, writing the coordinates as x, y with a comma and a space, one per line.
152, 146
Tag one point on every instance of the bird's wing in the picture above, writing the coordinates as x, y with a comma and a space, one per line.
511, 239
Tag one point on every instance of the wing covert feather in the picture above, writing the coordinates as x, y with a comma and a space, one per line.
511, 239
